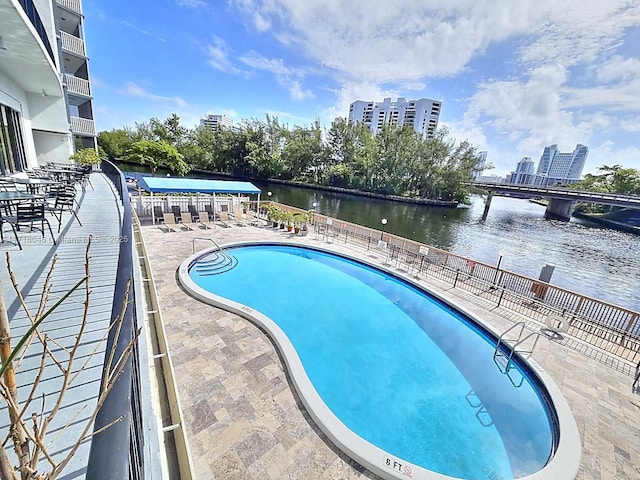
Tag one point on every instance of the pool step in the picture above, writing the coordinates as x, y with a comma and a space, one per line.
215, 264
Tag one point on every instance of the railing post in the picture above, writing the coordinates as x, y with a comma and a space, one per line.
500, 298
455, 280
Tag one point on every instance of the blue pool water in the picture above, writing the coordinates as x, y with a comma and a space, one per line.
399, 368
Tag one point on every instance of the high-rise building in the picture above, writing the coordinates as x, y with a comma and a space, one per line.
215, 122
46, 104
525, 172
480, 166
422, 114
557, 167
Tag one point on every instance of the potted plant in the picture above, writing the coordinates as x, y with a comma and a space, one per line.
274, 215
299, 219
287, 218
87, 157
245, 206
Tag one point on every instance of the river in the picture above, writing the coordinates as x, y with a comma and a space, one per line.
589, 259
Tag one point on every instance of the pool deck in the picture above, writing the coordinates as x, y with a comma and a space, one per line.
244, 421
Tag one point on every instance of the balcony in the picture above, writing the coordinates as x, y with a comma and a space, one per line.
72, 44
83, 127
74, 6
77, 85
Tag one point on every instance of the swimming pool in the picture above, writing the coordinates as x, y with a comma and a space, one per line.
402, 382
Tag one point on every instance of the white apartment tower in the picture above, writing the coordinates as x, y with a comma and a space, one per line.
422, 114
46, 105
214, 122
557, 167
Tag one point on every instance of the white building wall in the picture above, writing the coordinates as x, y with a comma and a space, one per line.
15, 97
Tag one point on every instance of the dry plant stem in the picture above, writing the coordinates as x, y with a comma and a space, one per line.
20, 444
45, 294
6, 472
40, 447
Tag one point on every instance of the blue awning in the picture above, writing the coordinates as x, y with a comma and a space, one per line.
195, 185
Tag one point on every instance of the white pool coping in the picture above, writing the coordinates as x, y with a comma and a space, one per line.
563, 466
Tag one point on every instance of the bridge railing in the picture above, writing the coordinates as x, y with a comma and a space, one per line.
606, 326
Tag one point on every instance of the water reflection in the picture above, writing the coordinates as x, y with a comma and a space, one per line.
588, 259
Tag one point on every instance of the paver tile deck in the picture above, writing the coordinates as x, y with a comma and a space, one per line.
245, 421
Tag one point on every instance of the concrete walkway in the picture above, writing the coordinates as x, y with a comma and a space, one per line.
245, 422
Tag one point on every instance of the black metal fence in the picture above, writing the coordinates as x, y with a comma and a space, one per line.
117, 452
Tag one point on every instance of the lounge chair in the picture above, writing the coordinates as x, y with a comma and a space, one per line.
253, 220
203, 219
239, 218
169, 222
226, 221
187, 221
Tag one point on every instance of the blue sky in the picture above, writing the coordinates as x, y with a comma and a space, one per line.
513, 76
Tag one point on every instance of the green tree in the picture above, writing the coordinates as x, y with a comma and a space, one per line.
156, 154
116, 142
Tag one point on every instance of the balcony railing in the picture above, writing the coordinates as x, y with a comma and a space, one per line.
77, 85
71, 5
73, 44
83, 126
31, 11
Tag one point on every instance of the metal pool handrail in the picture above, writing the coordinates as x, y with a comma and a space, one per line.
220, 249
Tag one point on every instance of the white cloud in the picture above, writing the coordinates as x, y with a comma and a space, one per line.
289, 78
134, 90
191, 3
607, 154
218, 57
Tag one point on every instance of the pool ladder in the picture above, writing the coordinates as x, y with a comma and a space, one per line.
523, 343
220, 262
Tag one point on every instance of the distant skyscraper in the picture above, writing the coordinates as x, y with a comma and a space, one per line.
479, 168
525, 172
422, 115
216, 121
558, 167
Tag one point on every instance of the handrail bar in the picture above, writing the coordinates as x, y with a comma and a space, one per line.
220, 249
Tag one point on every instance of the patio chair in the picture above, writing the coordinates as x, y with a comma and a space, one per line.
64, 201
194, 212
169, 222
186, 220
27, 214
209, 210
203, 219
177, 213
158, 213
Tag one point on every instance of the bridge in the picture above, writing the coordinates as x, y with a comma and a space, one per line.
561, 200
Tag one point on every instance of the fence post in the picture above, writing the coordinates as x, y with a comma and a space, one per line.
455, 280
501, 294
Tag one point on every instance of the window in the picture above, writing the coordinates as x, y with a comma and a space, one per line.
12, 158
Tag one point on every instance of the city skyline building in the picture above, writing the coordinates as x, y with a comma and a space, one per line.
46, 103
554, 168
215, 121
524, 173
561, 167
480, 166
422, 114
